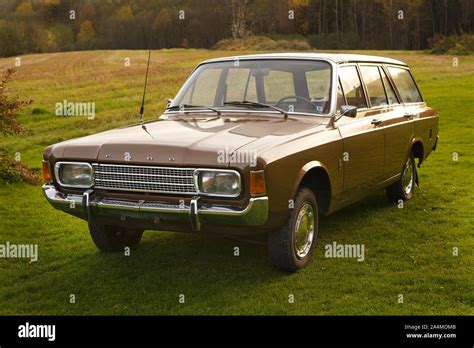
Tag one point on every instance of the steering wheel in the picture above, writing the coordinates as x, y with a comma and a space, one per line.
306, 100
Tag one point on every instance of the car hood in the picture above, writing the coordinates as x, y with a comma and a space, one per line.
186, 140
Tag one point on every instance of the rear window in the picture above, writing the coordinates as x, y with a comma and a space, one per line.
405, 85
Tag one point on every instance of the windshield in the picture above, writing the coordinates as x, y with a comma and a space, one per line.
298, 86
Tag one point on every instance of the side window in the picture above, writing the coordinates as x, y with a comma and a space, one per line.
374, 85
405, 85
351, 86
392, 97
204, 88
340, 97
240, 86
278, 84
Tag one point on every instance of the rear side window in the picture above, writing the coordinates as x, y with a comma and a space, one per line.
374, 85
351, 86
405, 85
392, 97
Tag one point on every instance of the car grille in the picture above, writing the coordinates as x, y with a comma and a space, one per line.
144, 178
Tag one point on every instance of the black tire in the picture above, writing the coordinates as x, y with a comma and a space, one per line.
400, 190
112, 238
281, 242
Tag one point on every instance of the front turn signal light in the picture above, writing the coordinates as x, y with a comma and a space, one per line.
257, 183
47, 177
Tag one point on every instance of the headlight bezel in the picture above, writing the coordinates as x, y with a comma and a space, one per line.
57, 177
197, 182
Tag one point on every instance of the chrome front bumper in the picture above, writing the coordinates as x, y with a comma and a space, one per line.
89, 206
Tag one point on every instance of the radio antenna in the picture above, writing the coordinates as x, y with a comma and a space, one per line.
142, 108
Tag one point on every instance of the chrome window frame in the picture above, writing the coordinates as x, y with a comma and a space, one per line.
332, 88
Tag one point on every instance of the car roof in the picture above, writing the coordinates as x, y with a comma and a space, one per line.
334, 57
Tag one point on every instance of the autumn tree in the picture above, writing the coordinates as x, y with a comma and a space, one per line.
86, 35
163, 29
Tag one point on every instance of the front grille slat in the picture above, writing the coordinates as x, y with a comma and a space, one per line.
144, 179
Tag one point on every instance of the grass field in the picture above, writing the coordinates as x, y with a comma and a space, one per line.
409, 251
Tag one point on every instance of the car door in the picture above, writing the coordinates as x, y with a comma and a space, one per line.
402, 131
397, 127
363, 139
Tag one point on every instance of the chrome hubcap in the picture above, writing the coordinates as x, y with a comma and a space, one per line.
408, 177
304, 230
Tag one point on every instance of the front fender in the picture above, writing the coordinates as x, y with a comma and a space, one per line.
304, 170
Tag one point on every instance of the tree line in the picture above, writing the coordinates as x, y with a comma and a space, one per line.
35, 26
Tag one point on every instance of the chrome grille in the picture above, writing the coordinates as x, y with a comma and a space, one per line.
144, 178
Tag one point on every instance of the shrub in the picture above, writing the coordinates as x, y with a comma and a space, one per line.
262, 43
12, 171
9, 108
349, 41
455, 44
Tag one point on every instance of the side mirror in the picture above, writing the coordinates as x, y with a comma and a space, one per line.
349, 111
170, 101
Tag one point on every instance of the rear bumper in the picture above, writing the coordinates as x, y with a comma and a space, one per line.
88, 206
436, 143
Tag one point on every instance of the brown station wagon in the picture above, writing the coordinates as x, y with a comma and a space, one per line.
251, 145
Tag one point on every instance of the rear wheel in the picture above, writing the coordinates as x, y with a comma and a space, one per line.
112, 238
404, 187
292, 245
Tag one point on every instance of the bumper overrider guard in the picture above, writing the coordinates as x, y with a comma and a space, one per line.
89, 205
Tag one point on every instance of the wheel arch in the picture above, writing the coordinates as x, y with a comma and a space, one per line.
417, 148
316, 176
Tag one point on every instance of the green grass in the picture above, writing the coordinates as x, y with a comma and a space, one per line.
408, 251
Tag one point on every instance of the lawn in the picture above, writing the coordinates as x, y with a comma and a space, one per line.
408, 251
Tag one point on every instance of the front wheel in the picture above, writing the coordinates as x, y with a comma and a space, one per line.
404, 187
111, 238
292, 245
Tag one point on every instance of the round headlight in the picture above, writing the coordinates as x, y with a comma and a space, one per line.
224, 183
72, 174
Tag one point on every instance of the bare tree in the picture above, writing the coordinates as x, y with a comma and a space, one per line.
239, 18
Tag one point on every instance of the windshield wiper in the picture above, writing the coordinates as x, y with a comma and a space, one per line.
255, 104
189, 106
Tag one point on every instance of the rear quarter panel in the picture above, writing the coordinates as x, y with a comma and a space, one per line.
426, 122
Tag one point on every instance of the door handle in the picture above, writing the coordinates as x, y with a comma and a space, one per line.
376, 122
407, 115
